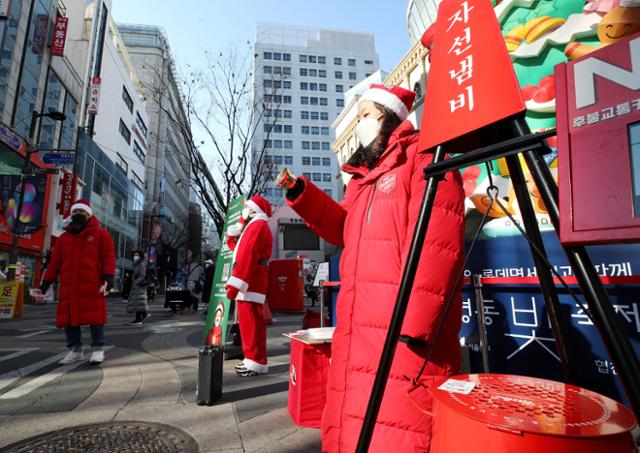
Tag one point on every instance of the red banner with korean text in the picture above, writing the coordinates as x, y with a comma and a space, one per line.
59, 35
471, 81
67, 193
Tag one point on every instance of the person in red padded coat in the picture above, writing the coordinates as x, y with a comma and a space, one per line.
251, 242
375, 223
84, 259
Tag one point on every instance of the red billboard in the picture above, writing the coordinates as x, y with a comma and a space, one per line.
67, 193
471, 82
598, 108
59, 35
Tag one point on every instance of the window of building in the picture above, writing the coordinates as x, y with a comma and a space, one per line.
317, 177
326, 162
268, 143
307, 175
352, 76
304, 130
306, 160
286, 57
351, 61
277, 160
277, 144
121, 163
315, 130
322, 60
326, 146
125, 132
322, 73
313, 101
303, 58
267, 83
368, 61
337, 60
267, 55
288, 144
324, 101
303, 71
339, 89
286, 99
267, 69
304, 86
312, 58
288, 160
338, 74
286, 70
277, 70
315, 146
324, 116
126, 97
277, 56
140, 123
313, 86
306, 145
313, 73
304, 100
315, 161
326, 177
324, 131
288, 129
267, 98
315, 115
287, 114
322, 86
304, 115
277, 84
286, 84
367, 74
339, 102
138, 151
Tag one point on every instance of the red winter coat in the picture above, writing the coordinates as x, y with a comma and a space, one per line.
82, 260
375, 223
251, 253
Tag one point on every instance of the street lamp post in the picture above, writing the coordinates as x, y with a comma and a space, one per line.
31, 148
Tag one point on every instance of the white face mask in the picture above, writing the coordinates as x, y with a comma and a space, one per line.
367, 130
246, 212
136, 258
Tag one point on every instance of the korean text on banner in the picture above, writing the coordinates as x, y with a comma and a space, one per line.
471, 81
218, 315
11, 299
59, 35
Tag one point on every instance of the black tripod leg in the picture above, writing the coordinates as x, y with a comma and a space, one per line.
399, 310
604, 316
544, 273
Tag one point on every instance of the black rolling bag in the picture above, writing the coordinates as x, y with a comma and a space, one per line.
209, 388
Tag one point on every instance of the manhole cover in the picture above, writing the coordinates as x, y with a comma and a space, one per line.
118, 437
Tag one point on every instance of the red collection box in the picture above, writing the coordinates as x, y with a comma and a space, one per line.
286, 286
308, 374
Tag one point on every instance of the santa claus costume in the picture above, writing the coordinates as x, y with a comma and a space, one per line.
251, 242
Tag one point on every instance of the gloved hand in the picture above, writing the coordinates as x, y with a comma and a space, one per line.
109, 281
44, 286
232, 292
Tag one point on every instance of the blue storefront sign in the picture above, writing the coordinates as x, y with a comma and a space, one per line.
58, 158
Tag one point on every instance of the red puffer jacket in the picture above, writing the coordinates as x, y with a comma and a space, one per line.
82, 260
375, 223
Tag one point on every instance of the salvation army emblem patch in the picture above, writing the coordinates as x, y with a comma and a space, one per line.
387, 183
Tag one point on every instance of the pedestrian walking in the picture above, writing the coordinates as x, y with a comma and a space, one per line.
251, 242
84, 259
138, 295
375, 223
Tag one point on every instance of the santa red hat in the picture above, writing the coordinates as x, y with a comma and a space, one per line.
260, 205
82, 204
399, 100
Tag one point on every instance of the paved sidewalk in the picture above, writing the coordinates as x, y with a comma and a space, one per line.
150, 376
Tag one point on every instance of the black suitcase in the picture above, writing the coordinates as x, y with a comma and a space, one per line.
209, 387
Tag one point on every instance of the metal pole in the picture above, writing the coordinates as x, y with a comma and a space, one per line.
544, 273
400, 309
604, 316
321, 283
482, 327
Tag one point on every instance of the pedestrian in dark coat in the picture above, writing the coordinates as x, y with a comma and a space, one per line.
84, 259
138, 294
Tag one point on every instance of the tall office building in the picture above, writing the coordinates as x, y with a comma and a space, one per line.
301, 75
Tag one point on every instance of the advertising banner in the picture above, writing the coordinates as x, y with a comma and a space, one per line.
94, 95
218, 315
32, 205
11, 299
59, 35
67, 193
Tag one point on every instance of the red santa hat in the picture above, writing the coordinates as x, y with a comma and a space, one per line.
83, 205
260, 205
399, 100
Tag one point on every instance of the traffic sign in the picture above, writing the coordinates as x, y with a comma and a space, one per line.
57, 158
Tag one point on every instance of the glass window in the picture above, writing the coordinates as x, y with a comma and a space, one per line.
138, 151
277, 160
313, 86
286, 84
277, 70
69, 124
304, 115
286, 57
326, 177
304, 86
306, 160
51, 104
305, 130
312, 58
121, 163
7, 46
322, 73
326, 162
313, 101
286, 99
277, 56
303, 71
288, 160
339, 102
351, 61
324, 131
303, 58
324, 101
315, 115
288, 144
322, 60
315, 146
338, 74
352, 76
339, 89
126, 97
307, 175
324, 116
306, 145
287, 113
634, 147
268, 143
326, 146
323, 87
141, 125
304, 100
277, 144
317, 177
286, 70
315, 161
268, 83
125, 132
368, 61
288, 129
337, 60
267, 55
313, 72
266, 69
315, 130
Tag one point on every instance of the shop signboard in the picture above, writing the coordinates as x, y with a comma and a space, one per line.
94, 95
599, 145
11, 139
58, 158
471, 81
59, 35
218, 315
11, 299
67, 193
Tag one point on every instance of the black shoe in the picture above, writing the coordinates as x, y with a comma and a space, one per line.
136, 322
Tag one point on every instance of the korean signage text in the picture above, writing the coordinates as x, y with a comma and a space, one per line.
59, 35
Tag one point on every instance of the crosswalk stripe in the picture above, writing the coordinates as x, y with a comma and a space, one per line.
33, 334
12, 376
17, 353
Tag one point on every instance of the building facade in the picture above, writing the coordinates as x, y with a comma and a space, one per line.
167, 164
301, 75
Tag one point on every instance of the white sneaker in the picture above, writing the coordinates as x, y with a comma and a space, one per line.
72, 357
97, 356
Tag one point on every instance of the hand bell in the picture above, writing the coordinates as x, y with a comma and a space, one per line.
285, 179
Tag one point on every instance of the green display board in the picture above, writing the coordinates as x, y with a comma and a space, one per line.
215, 333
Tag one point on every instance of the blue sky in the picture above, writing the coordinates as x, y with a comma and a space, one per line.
197, 25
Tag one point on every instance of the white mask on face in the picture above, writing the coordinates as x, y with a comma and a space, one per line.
367, 130
136, 258
246, 212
